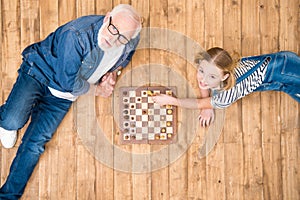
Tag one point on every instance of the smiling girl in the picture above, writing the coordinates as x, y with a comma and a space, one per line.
222, 81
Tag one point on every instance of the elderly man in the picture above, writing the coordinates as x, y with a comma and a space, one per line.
83, 55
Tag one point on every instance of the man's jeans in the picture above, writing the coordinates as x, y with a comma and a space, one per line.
29, 98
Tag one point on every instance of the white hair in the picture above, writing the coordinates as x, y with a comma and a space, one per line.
132, 13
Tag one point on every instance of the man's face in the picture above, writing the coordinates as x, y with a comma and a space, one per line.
115, 27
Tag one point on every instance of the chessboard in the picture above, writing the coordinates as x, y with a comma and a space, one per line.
144, 122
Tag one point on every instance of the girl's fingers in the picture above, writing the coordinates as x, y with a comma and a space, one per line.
204, 122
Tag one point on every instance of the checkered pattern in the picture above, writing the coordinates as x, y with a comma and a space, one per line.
143, 120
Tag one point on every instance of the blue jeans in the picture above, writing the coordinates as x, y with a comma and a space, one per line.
283, 74
29, 98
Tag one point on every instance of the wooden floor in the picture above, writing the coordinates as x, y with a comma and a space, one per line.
257, 155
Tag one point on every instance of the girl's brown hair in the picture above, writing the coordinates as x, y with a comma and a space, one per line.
223, 61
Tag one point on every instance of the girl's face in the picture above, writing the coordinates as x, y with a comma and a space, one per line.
209, 76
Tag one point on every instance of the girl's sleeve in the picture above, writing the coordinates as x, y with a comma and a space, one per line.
225, 98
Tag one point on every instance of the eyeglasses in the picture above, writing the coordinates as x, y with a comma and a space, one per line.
114, 31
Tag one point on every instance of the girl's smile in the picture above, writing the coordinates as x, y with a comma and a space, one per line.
209, 76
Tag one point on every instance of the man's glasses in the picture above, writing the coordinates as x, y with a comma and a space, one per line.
114, 31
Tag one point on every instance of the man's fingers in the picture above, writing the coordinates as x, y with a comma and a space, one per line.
112, 81
104, 78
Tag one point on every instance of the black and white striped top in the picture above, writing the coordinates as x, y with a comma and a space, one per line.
249, 75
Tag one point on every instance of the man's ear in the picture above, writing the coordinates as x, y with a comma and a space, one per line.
225, 77
106, 18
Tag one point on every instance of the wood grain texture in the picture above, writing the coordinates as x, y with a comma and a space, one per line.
257, 152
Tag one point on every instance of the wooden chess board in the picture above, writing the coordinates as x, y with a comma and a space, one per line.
142, 120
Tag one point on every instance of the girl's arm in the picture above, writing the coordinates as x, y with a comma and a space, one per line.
206, 116
203, 103
204, 93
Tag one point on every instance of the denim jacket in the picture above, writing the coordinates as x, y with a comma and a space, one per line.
69, 56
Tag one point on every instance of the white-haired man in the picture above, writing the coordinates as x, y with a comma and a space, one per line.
82, 55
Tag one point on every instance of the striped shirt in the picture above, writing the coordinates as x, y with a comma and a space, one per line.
250, 74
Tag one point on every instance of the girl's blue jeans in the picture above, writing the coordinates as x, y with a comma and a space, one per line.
29, 98
283, 74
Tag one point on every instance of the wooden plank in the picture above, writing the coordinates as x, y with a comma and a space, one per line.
289, 108
104, 181
30, 26
122, 180
215, 160
213, 24
289, 26
67, 158
177, 41
141, 182
10, 43
85, 8
159, 75
48, 14
1, 93
271, 100
233, 138
104, 6
30, 22
271, 140
195, 31
86, 180
85, 173
290, 163
65, 133
251, 126
48, 164
66, 11
104, 177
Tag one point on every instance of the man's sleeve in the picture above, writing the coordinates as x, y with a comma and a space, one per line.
69, 53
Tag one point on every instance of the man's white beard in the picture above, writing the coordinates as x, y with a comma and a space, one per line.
100, 36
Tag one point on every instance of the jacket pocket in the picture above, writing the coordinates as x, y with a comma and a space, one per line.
291, 64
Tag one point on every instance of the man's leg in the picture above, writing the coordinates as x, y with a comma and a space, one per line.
15, 112
46, 117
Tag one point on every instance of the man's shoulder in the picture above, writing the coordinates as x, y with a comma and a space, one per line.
86, 21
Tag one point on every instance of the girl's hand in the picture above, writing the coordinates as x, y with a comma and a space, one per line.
206, 117
164, 99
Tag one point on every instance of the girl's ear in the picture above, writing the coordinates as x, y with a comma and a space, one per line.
225, 77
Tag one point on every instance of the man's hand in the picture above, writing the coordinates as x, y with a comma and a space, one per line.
106, 87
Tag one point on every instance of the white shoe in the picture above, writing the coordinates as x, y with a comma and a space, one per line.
8, 138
